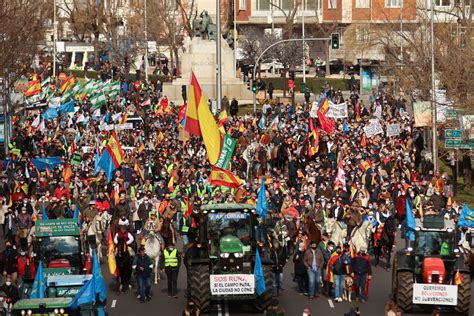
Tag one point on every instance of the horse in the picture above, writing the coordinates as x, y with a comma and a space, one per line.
279, 156
337, 231
167, 232
360, 236
123, 258
312, 230
387, 238
153, 250
100, 223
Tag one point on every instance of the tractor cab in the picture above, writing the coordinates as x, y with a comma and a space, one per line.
431, 272
434, 250
60, 247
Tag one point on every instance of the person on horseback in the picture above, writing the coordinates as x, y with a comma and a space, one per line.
123, 239
153, 225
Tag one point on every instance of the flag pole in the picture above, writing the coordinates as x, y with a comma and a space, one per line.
55, 29
218, 57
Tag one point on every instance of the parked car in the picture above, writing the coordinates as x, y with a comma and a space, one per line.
268, 64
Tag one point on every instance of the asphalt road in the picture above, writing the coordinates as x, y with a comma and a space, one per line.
290, 300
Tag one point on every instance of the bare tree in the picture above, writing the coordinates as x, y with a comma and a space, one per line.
23, 30
187, 12
408, 55
289, 14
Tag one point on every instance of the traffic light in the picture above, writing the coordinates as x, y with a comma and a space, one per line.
291, 73
335, 40
254, 86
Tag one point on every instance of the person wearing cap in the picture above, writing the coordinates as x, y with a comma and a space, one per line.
143, 266
361, 271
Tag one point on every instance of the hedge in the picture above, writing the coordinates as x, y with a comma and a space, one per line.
92, 74
314, 84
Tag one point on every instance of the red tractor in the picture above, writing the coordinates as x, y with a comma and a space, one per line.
431, 273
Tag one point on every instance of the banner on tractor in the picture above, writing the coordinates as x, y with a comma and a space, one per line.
232, 284
435, 294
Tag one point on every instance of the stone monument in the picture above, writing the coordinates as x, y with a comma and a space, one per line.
200, 57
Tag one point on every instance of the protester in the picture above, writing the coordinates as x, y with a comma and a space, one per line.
172, 263
143, 266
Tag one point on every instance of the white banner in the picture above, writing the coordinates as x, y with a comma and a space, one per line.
435, 294
337, 111
232, 284
373, 128
393, 130
117, 127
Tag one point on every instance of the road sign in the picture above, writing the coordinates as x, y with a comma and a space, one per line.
467, 146
453, 143
451, 113
453, 134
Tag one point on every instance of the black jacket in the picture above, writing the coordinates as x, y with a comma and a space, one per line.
360, 265
298, 260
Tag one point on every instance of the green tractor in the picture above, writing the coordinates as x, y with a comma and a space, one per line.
58, 306
431, 272
221, 264
60, 247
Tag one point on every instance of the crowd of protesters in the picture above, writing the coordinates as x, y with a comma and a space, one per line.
163, 166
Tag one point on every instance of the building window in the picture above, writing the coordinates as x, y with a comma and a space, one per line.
263, 5
332, 4
311, 4
286, 4
393, 3
242, 4
362, 4
442, 3
362, 35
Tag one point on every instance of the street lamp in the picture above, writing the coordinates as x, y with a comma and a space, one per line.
433, 92
54, 38
218, 57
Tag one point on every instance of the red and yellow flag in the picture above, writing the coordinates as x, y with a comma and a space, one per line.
224, 177
458, 279
200, 121
138, 169
313, 142
189, 209
67, 173
115, 150
67, 84
111, 255
34, 87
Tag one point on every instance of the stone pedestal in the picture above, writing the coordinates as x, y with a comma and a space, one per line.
200, 57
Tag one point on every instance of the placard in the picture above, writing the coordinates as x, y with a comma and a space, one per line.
435, 294
232, 284
228, 146
422, 114
337, 111
373, 128
393, 130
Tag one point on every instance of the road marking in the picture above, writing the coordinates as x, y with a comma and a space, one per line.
219, 309
113, 303
226, 308
331, 304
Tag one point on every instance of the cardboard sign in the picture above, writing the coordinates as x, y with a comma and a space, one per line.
373, 128
393, 130
435, 294
232, 284
337, 111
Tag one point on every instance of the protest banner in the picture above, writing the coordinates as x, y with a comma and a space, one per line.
228, 146
337, 111
422, 114
373, 128
393, 130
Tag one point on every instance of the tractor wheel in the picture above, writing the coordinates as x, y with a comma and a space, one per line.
199, 287
464, 295
404, 291
263, 301
394, 279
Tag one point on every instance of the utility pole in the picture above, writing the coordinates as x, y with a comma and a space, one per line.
218, 57
6, 140
146, 44
433, 92
55, 30
304, 47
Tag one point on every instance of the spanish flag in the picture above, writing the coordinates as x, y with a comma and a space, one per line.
242, 127
34, 87
221, 177
458, 279
223, 118
138, 169
111, 255
67, 173
171, 182
200, 121
189, 209
67, 84
124, 118
325, 123
364, 165
111, 157
313, 142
